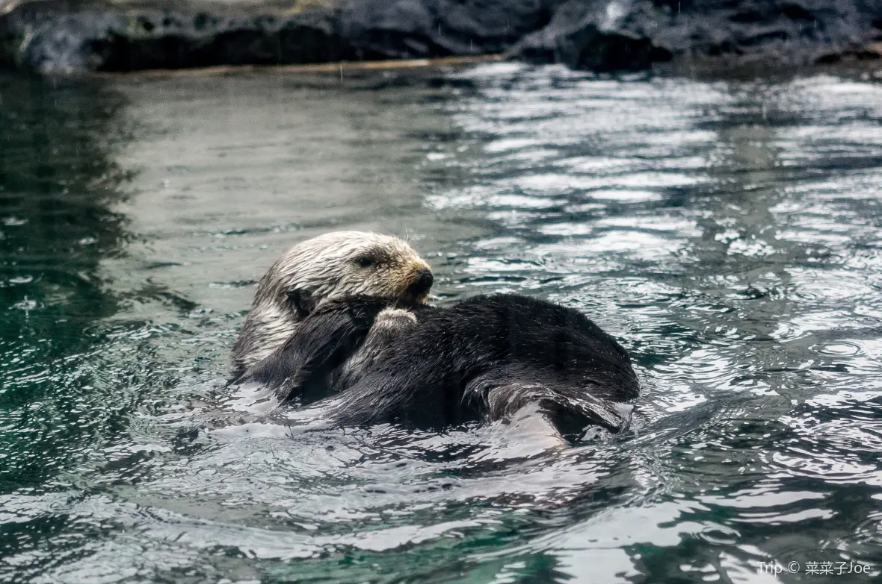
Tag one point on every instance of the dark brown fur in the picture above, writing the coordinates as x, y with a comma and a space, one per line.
483, 358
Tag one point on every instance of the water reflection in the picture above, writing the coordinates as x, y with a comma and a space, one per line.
58, 180
727, 232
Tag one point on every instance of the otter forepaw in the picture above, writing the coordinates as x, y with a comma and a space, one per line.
394, 319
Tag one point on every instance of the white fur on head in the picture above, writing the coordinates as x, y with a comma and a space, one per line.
327, 267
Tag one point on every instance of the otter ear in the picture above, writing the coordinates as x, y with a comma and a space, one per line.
301, 302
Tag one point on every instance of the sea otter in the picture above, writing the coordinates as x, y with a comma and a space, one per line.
392, 358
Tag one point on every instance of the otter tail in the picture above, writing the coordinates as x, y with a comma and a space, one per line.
505, 392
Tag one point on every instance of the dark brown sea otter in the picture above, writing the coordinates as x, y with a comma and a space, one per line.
391, 358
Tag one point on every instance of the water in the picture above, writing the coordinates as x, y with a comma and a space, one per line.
727, 232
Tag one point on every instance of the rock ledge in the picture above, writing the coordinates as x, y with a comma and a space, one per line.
63, 36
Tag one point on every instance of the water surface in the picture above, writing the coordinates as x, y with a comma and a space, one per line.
728, 233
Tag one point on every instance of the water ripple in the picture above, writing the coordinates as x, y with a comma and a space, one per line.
727, 232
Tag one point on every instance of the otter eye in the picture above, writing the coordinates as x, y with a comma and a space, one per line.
364, 262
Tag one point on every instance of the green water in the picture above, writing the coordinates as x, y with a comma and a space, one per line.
729, 233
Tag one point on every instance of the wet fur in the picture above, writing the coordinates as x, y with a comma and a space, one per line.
482, 359
321, 270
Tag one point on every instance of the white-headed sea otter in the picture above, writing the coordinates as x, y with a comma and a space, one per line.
396, 359
329, 267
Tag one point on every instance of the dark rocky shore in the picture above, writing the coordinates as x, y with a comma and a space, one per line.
62, 36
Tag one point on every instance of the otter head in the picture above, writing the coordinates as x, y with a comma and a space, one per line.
327, 267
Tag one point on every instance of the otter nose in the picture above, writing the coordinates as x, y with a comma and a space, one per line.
423, 282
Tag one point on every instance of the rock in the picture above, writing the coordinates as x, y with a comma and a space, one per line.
634, 34
435, 28
601, 36
52, 36
58, 36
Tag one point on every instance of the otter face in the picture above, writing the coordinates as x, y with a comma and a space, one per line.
327, 267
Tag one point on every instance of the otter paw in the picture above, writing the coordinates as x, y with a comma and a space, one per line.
392, 319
